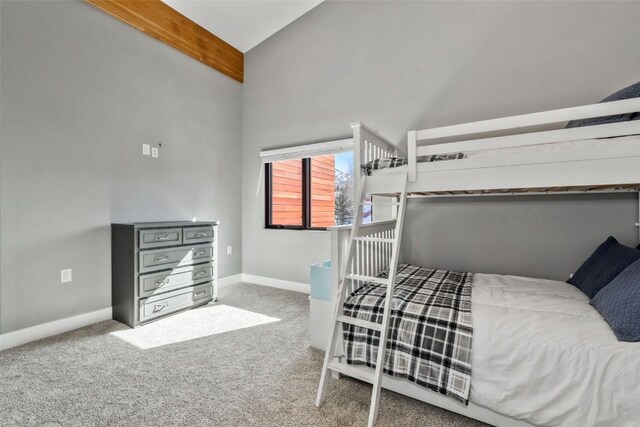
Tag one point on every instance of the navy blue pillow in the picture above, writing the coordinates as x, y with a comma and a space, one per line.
628, 92
619, 304
608, 260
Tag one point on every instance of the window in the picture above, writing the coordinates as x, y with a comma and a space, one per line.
311, 193
286, 193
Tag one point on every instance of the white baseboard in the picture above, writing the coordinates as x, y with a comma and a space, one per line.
45, 330
49, 329
229, 280
304, 288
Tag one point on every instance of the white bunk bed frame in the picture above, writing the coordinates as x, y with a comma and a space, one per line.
595, 169
591, 169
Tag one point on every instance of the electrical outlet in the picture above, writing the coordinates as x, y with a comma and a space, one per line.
154, 152
65, 275
229, 250
146, 150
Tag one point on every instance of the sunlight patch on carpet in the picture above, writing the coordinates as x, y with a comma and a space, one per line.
192, 324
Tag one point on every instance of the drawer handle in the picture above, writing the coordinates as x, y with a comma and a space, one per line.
199, 253
200, 234
197, 294
162, 282
158, 237
200, 273
161, 258
159, 307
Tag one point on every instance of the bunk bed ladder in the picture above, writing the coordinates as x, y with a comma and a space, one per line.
349, 277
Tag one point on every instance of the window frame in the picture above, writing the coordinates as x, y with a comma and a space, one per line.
306, 199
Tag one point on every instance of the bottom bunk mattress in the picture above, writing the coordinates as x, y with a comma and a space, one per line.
430, 331
540, 353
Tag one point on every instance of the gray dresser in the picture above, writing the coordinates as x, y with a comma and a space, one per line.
160, 268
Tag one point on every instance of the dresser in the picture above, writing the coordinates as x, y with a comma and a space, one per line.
161, 268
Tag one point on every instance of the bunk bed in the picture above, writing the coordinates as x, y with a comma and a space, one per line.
591, 158
541, 374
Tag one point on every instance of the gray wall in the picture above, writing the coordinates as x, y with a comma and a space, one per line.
523, 235
405, 65
81, 92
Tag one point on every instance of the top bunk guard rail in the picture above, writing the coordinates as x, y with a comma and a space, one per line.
535, 138
534, 119
421, 142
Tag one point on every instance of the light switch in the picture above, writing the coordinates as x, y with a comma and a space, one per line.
146, 149
229, 250
154, 152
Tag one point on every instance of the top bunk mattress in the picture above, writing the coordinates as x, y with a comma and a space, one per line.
545, 151
606, 164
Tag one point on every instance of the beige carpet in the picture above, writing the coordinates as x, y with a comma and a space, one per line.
254, 369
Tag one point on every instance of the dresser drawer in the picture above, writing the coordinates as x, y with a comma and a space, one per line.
197, 235
162, 259
159, 305
160, 237
169, 280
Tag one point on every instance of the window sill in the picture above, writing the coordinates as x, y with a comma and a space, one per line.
314, 230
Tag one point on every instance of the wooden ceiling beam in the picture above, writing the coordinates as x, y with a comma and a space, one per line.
162, 22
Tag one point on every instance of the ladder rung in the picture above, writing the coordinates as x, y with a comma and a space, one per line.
351, 371
360, 322
374, 239
378, 280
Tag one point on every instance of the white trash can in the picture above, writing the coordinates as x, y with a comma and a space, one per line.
321, 304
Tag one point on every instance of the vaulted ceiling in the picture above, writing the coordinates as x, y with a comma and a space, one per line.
214, 32
243, 23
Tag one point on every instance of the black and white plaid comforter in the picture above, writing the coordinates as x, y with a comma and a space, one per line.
430, 329
394, 162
